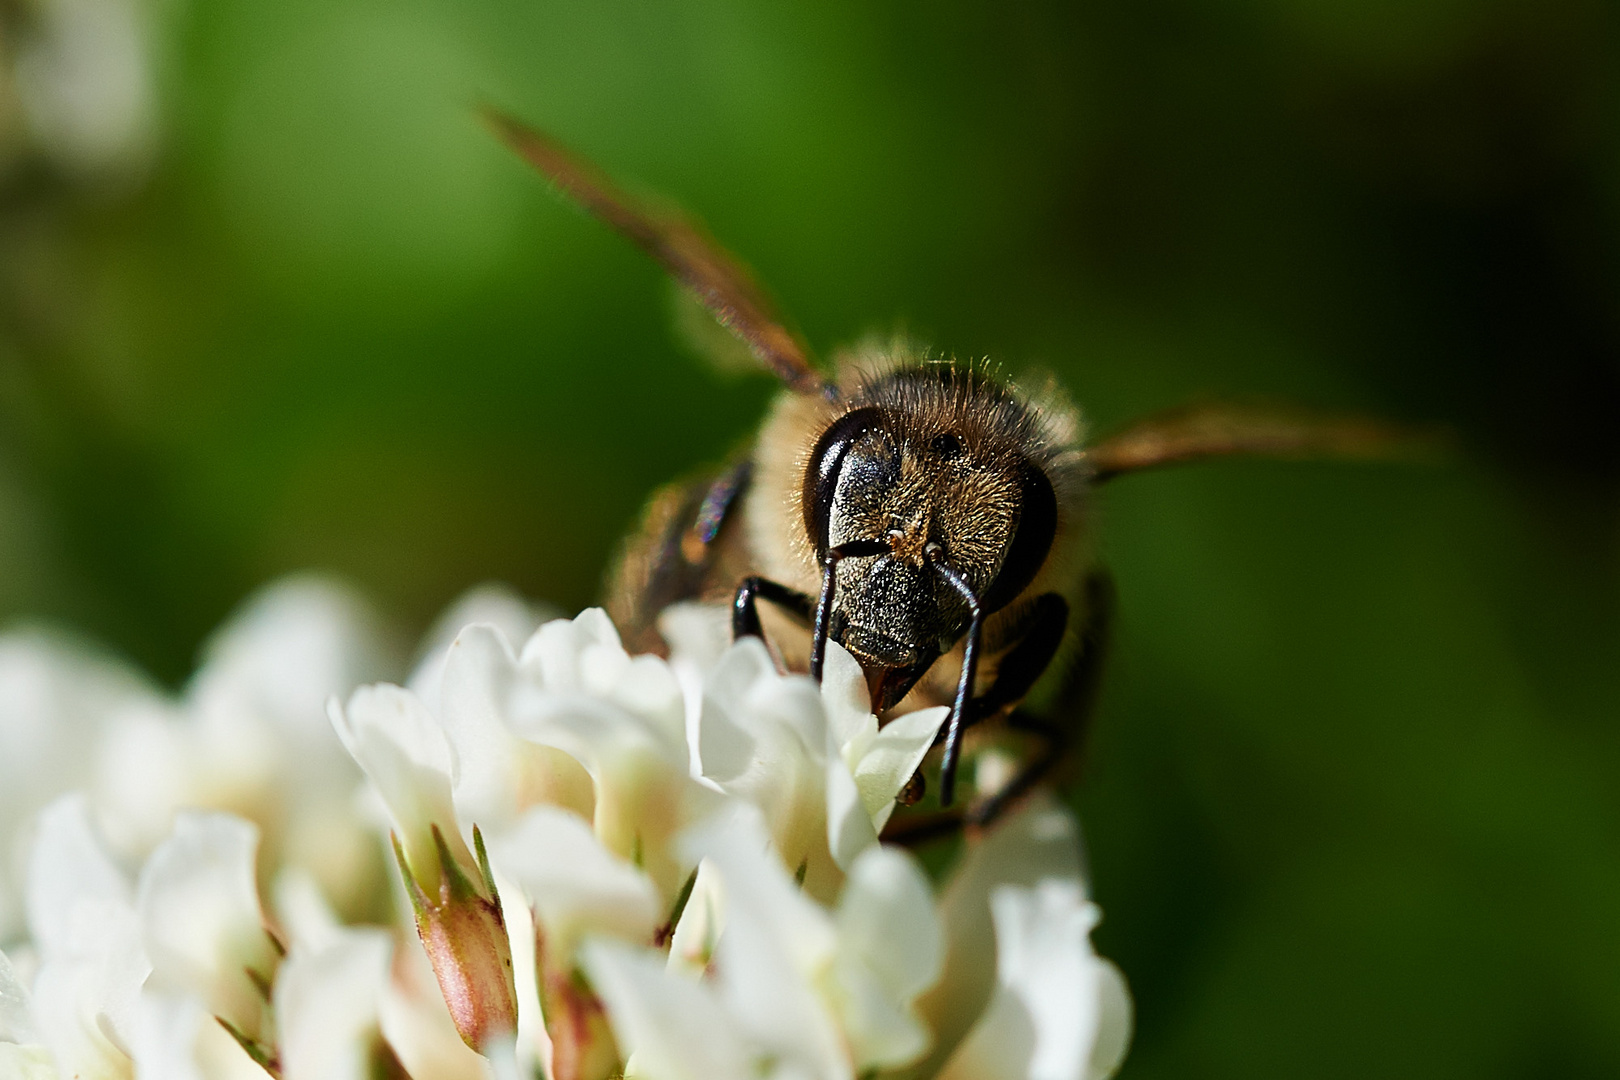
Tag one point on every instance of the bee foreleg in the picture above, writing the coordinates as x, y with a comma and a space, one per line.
1023, 666
745, 609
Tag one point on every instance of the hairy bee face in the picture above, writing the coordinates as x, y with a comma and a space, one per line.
928, 502
933, 473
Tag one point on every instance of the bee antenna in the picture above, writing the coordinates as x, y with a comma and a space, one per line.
829, 582
964, 687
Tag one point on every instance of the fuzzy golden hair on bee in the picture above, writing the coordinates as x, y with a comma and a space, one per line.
954, 416
928, 515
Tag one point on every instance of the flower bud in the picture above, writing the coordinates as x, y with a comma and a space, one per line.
464, 933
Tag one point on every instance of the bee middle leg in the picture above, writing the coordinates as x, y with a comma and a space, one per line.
1072, 712
1076, 705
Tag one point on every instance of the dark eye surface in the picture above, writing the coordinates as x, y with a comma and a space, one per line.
946, 446
869, 470
856, 442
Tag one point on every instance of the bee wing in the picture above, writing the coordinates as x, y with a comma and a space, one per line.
718, 279
1207, 431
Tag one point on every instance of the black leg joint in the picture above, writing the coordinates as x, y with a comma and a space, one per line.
745, 610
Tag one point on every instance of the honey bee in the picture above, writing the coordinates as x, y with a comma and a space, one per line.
927, 515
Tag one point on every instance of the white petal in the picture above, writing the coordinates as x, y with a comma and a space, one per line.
845, 695
504, 1063
675, 1027
764, 738
176, 1039
493, 605
200, 917
696, 935
576, 669
644, 792
66, 866
498, 774
16, 1022
774, 1001
479, 669
1046, 1017
880, 1033
775, 946
26, 1062
303, 913
403, 751
698, 635
55, 697
86, 1005
327, 1004
93, 963
1114, 1027
886, 917
1039, 841
891, 948
849, 826
574, 883
757, 882
166, 1037
146, 766
892, 756
289, 648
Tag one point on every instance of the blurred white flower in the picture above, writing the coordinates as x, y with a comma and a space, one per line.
84, 78
56, 701
201, 924
86, 935
22, 1055
328, 998
1059, 1011
250, 735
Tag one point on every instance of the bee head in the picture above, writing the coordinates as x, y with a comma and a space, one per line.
928, 472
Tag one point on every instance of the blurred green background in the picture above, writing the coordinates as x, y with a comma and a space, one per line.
1352, 801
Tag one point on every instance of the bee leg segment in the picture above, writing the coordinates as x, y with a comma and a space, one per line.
745, 611
964, 686
1032, 772
1075, 706
1022, 667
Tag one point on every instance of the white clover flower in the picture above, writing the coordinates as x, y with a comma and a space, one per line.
22, 1055
404, 753
574, 721
56, 700
83, 72
87, 936
683, 875
250, 735
812, 759
1059, 1011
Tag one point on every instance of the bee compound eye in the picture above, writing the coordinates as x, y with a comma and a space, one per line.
826, 463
